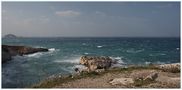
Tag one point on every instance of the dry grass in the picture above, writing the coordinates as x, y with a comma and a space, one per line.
96, 80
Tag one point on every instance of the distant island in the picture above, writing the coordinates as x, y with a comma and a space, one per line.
10, 36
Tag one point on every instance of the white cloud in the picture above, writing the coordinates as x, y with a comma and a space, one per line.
68, 13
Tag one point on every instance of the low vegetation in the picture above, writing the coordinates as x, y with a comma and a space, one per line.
49, 83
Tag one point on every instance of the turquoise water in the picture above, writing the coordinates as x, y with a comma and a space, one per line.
64, 54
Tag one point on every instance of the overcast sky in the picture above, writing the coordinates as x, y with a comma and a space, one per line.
101, 19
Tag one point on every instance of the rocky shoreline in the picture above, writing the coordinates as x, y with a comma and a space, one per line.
98, 73
9, 51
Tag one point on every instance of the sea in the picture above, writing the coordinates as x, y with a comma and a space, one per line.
64, 54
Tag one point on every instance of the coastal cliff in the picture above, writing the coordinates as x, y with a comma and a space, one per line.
9, 51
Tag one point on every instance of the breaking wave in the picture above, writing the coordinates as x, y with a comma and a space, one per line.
71, 60
99, 46
134, 51
34, 54
86, 53
39, 54
52, 49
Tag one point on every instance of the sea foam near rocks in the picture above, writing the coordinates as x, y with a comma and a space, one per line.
71, 60
52, 49
35, 55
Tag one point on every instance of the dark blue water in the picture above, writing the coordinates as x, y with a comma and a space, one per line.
64, 54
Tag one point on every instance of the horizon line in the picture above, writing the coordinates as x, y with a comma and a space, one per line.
95, 37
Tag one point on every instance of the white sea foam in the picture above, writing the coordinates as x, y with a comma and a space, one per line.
157, 54
119, 62
177, 48
52, 49
83, 43
159, 62
78, 66
117, 58
147, 63
86, 53
141, 50
134, 51
162, 54
99, 46
39, 47
34, 54
39, 54
74, 61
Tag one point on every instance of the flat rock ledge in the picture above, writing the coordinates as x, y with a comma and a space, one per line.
139, 76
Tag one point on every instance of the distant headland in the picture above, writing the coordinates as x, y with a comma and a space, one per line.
10, 36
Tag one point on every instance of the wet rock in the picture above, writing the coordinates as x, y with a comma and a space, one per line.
121, 81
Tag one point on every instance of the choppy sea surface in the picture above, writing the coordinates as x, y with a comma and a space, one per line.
64, 53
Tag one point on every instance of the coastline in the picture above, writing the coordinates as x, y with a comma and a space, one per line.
71, 81
167, 78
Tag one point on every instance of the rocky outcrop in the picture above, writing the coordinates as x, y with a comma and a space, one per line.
121, 81
9, 51
144, 75
175, 67
6, 56
96, 62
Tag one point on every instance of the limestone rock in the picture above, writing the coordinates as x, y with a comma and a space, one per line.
100, 70
144, 75
96, 62
175, 67
121, 81
151, 76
